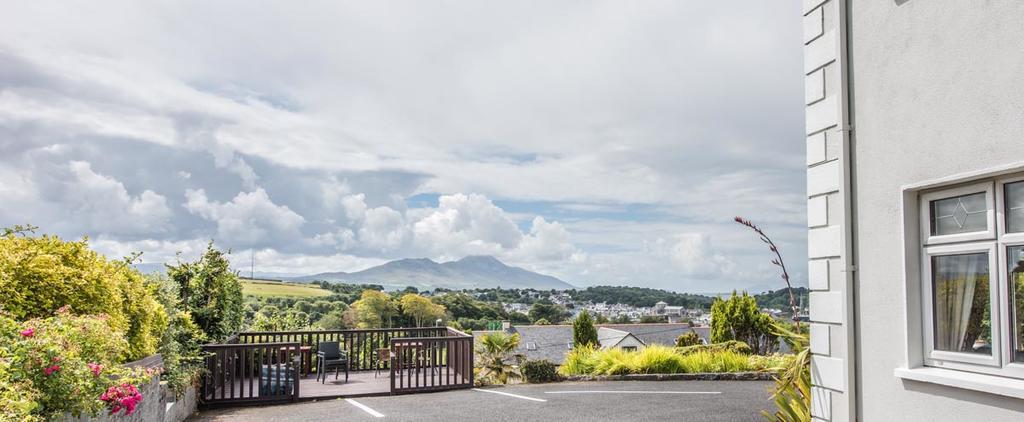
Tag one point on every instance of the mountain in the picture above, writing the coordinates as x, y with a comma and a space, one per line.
424, 274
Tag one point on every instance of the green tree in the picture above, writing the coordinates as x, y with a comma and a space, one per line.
495, 351
583, 331
542, 321
421, 309
210, 292
622, 319
739, 318
374, 309
548, 311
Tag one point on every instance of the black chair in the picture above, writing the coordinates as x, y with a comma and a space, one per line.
329, 355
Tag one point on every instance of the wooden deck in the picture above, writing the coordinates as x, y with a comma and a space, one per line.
359, 384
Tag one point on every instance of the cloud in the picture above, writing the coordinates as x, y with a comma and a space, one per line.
248, 219
568, 141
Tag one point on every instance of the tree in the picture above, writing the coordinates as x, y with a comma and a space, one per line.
739, 318
583, 331
421, 309
548, 311
211, 292
653, 319
374, 309
494, 351
542, 321
601, 319
333, 320
622, 319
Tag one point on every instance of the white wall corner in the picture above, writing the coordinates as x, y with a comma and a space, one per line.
814, 25
821, 403
817, 211
810, 5
824, 242
827, 307
824, 178
817, 274
816, 148
828, 372
814, 86
821, 339
822, 115
820, 52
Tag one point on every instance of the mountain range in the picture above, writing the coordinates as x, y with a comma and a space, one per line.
467, 273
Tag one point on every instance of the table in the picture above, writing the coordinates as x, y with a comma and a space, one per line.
305, 357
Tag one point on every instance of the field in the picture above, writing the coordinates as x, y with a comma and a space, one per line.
264, 288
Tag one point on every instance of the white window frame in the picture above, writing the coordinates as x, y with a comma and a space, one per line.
926, 215
943, 358
995, 242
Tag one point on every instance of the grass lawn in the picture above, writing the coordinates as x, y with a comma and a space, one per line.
263, 288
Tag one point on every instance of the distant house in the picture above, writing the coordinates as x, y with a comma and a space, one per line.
551, 342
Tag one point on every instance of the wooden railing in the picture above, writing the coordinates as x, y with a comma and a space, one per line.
264, 367
432, 363
360, 345
252, 372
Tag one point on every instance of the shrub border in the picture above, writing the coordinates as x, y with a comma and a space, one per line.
701, 376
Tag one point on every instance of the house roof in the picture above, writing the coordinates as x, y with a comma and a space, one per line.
552, 341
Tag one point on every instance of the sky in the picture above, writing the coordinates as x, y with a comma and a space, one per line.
602, 142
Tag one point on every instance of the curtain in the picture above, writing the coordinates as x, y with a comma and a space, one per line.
956, 281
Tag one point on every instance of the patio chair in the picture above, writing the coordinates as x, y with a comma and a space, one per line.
329, 355
384, 355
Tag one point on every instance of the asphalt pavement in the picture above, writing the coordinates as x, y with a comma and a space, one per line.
567, 401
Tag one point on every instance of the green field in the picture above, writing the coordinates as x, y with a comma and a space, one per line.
263, 288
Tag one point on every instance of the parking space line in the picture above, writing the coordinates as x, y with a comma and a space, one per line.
629, 392
509, 394
365, 408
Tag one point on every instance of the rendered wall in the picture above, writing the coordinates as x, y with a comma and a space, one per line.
828, 245
938, 90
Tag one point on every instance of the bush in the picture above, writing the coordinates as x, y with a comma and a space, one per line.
540, 371
583, 331
688, 339
181, 342
726, 346
39, 275
57, 365
651, 360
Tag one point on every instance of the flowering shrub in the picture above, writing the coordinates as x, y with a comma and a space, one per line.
61, 364
40, 274
124, 396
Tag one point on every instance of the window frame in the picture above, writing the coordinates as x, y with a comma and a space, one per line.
927, 198
943, 358
994, 241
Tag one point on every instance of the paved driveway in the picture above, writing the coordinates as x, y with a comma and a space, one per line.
569, 401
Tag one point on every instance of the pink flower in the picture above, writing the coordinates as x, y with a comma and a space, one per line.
55, 358
95, 368
124, 396
28, 332
51, 369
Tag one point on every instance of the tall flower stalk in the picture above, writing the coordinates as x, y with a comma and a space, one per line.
777, 261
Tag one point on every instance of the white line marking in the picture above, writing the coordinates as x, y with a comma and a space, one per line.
509, 394
629, 392
365, 408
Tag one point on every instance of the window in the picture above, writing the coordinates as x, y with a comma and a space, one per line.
972, 277
629, 348
531, 345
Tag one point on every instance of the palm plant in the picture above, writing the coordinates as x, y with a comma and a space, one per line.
793, 384
495, 353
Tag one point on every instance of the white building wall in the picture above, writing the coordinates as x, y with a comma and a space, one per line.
937, 90
827, 198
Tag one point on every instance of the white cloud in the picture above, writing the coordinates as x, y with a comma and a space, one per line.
249, 218
668, 114
106, 205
